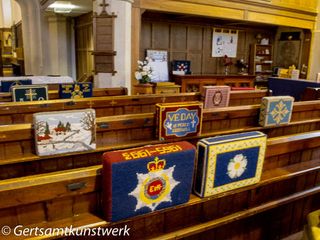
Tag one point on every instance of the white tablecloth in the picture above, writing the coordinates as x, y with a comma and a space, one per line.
41, 79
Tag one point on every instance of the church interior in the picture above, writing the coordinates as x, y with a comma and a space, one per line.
143, 119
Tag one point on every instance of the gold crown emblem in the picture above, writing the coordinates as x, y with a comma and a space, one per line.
156, 165
76, 87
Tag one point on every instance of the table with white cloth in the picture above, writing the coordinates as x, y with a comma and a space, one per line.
52, 81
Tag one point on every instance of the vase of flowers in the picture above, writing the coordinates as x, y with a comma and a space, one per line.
227, 62
144, 72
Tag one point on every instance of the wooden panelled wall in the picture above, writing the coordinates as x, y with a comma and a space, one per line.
18, 35
186, 40
84, 44
292, 13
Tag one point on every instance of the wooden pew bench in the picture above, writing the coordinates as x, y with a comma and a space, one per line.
54, 94
289, 188
13, 113
17, 154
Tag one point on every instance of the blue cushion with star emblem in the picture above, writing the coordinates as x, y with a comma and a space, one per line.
228, 162
142, 180
275, 110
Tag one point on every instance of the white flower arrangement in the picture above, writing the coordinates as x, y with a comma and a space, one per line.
144, 72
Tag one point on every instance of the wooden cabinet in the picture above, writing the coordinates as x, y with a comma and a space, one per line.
194, 83
261, 60
167, 89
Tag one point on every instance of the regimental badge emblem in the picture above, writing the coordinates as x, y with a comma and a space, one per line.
156, 186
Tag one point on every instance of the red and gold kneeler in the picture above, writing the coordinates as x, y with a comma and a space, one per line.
142, 180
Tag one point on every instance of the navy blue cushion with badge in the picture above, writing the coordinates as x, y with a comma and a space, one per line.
76, 90
7, 84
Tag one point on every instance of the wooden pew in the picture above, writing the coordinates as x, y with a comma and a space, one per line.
288, 190
13, 113
54, 94
17, 157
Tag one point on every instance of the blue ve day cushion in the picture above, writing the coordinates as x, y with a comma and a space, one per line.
176, 120
275, 110
142, 180
229, 162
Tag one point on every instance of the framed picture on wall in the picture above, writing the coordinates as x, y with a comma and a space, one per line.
159, 65
224, 42
288, 53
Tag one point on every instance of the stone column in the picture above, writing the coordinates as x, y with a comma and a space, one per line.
314, 65
34, 40
59, 36
122, 44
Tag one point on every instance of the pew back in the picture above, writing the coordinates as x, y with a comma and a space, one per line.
13, 113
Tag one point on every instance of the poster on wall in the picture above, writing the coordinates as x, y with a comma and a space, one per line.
159, 65
224, 42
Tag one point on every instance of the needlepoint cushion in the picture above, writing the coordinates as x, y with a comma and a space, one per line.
76, 90
215, 96
229, 162
64, 131
176, 120
142, 180
275, 110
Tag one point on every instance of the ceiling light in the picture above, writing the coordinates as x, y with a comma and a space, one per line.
62, 7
